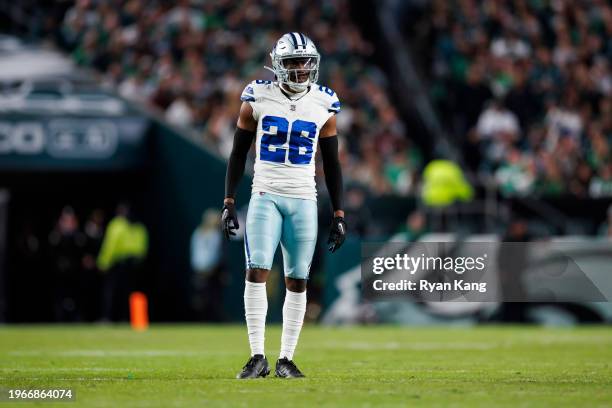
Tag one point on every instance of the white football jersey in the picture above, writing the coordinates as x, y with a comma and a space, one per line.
287, 136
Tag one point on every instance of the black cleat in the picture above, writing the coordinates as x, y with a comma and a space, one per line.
287, 369
257, 366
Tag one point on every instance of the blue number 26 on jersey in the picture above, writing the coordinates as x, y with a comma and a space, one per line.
301, 136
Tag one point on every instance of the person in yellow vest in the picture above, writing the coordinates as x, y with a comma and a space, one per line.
124, 248
444, 184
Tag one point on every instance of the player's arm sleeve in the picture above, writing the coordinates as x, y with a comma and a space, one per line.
333, 172
235, 166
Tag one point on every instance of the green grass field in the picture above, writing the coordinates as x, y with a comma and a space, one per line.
194, 366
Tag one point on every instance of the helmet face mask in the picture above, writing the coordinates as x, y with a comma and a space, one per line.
300, 70
295, 61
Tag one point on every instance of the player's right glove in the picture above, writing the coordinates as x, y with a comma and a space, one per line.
229, 220
336, 234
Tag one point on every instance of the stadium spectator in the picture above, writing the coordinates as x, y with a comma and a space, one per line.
92, 279
414, 227
206, 261
605, 229
516, 176
512, 262
601, 184
123, 250
497, 129
357, 213
444, 184
66, 244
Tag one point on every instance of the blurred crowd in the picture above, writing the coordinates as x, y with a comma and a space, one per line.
526, 86
92, 264
192, 59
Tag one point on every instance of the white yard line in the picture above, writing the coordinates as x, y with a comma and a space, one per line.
116, 353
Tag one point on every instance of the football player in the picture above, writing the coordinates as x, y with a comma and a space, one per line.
287, 118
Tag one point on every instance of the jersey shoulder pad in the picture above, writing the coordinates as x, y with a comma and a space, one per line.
255, 90
328, 98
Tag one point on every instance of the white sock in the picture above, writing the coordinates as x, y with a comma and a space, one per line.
255, 309
293, 318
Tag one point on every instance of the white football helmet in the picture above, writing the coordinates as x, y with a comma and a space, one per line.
295, 61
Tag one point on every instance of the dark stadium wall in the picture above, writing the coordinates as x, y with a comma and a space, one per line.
185, 180
35, 201
40, 180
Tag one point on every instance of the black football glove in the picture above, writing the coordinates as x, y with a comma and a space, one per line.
336, 234
229, 220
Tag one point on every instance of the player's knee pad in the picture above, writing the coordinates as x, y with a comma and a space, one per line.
299, 238
297, 258
258, 260
258, 254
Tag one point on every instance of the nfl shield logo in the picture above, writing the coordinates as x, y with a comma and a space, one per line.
292, 107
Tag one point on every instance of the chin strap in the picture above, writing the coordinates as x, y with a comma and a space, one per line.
298, 92
290, 90
292, 94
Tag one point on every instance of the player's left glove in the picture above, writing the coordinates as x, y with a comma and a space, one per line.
336, 234
229, 220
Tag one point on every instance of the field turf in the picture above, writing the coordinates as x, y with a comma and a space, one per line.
377, 366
